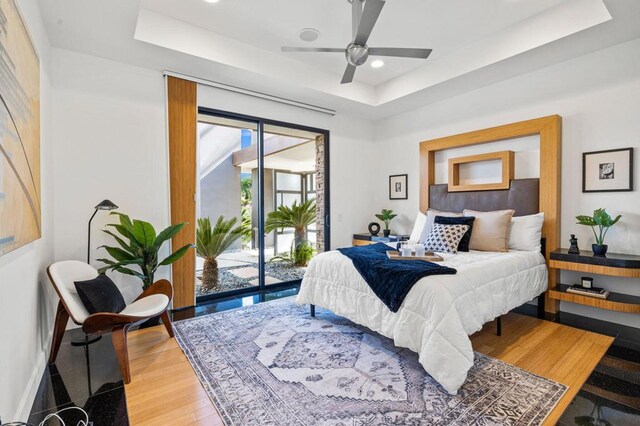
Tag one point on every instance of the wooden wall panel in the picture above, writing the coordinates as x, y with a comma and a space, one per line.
183, 121
550, 131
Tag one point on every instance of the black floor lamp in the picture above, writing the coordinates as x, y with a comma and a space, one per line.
104, 205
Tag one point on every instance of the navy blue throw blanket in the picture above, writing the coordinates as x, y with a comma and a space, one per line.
389, 279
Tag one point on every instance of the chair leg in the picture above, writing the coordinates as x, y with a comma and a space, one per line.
60, 324
119, 338
167, 323
499, 326
312, 309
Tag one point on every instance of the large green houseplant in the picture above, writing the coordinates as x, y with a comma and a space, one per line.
213, 241
386, 215
139, 247
298, 217
602, 221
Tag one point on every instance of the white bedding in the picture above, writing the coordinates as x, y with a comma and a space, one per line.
440, 312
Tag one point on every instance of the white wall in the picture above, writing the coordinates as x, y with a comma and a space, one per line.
351, 156
109, 142
27, 305
597, 95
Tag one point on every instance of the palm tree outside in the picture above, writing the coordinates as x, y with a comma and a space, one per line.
213, 241
298, 217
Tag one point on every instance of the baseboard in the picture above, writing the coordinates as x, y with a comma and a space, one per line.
28, 396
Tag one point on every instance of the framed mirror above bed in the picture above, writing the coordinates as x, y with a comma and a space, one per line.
525, 196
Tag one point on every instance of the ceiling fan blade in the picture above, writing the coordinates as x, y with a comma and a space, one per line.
348, 74
370, 13
401, 52
312, 49
356, 13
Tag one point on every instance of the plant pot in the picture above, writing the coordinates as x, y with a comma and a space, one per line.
599, 250
386, 232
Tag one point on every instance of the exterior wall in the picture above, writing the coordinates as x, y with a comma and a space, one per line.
220, 194
268, 203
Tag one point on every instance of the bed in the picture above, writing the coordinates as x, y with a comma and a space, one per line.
440, 311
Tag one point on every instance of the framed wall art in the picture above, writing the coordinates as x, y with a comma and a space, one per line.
398, 187
19, 132
607, 171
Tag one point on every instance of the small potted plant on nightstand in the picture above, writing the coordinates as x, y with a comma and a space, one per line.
603, 221
386, 216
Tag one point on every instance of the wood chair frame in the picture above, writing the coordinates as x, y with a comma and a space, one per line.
104, 322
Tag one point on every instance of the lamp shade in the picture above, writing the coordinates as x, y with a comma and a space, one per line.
106, 205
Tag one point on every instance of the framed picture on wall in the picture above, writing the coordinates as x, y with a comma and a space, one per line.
607, 171
398, 187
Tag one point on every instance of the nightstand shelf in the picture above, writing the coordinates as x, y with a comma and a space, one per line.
614, 264
364, 239
615, 302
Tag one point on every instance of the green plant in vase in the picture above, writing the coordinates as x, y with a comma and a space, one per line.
139, 247
603, 222
386, 215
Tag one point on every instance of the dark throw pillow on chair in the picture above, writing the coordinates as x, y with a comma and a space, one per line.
100, 295
463, 245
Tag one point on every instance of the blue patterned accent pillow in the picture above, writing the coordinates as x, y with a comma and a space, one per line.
445, 238
467, 220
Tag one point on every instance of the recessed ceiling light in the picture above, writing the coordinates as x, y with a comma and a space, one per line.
212, 1
308, 34
377, 63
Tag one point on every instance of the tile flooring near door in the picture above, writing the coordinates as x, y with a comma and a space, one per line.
91, 383
165, 390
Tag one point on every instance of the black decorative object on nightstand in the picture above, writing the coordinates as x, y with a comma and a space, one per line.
374, 228
573, 245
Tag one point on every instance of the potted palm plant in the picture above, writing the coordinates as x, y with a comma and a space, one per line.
139, 246
298, 217
603, 222
386, 215
213, 241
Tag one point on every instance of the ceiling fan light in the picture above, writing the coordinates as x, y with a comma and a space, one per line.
308, 34
377, 63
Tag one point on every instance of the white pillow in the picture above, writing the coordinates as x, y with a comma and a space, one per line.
526, 232
418, 226
431, 217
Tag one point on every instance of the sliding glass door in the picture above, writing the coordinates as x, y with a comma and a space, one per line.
261, 191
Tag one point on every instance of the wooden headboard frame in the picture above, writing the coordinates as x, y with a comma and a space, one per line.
550, 131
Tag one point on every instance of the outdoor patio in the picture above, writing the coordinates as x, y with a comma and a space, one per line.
239, 269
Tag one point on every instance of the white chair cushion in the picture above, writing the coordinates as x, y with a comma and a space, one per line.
64, 274
147, 307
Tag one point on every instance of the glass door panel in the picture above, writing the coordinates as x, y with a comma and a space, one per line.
228, 257
260, 189
291, 209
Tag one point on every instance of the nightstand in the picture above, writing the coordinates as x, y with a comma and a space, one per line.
614, 265
366, 238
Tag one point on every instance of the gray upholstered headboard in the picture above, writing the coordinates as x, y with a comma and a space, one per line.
523, 196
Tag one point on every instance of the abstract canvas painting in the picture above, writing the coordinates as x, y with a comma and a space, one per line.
20, 220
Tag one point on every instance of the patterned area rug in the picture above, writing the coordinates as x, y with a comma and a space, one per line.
272, 364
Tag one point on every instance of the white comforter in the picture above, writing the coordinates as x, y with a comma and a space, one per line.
440, 311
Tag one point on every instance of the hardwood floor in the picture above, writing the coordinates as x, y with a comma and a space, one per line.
165, 390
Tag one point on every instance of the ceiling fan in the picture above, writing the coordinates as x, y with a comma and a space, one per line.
357, 52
